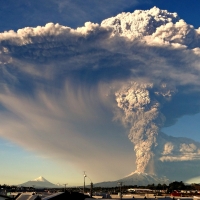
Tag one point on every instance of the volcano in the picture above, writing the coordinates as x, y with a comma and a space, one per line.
39, 182
136, 178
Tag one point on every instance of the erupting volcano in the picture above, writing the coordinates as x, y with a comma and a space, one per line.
77, 95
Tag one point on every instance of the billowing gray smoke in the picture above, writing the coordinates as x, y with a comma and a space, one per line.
67, 85
142, 115
141, 110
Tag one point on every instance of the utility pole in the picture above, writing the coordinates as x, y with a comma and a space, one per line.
84, 175
33, 188
91, 189
120, 185
65, 186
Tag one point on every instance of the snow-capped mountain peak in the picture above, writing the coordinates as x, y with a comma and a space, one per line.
39, 182
136, 178
40, 179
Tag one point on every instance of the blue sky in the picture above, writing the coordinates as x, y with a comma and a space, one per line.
76, 13
26, 159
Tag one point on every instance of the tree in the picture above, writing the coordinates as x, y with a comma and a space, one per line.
176, 186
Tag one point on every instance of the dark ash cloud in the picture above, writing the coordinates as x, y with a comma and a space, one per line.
69, 88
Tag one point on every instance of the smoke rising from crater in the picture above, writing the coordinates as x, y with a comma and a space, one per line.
62, 86
142, 114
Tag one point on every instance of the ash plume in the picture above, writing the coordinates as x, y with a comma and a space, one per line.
142, 114
68, 88
140, 111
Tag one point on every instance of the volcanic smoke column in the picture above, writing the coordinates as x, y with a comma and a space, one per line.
141, 114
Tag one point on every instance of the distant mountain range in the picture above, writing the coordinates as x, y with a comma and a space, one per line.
40, 182
136, 178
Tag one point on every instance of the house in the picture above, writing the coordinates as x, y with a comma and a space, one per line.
66, 196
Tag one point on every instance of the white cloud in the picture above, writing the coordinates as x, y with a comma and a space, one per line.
188, 148
180, 32
168, 148
140, 23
